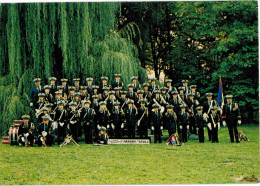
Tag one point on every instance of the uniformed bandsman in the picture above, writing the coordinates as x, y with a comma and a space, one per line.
200, 123
123, 99
64, 84
231, 117
89, 85
84, 94
131, 94
147, 94
48, 95
45, 132
117, 83
214, 124
142, 117
53, 85
60, 118
185, 85
103, 84
192, 104
70, 95
182, 94
165, 94
64, 95
103, 116
153, 85
35, 91
170, 120
73, 120
76, 84
207, 106
183, 123
88, 117
156, 123
140, 96
117, 93
168, 83
136, 86
26, 132
131, 114
193, 90
110, 100
117, 117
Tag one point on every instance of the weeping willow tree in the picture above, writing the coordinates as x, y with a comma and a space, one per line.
63, 40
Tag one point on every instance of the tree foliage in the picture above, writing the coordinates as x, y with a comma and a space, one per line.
63, 40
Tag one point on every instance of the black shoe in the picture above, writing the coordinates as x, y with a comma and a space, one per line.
238, 141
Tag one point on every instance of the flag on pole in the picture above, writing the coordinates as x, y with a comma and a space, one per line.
220, 99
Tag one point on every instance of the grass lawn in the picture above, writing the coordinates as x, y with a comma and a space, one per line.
133, 164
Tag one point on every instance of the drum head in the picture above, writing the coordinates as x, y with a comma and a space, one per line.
13, 135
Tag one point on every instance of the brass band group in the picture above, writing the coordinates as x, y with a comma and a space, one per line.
83, 109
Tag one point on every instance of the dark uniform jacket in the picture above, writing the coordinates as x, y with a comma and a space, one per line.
231, 113
200, 121
61, 116
170, 120
117, 117
130, 116
88, 116
156, 119
103, 117
34, 93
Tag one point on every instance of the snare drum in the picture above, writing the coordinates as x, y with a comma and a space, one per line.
13, 135
17, 123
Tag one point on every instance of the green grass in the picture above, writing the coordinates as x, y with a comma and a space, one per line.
133, 164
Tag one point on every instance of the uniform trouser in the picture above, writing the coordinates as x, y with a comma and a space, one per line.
201, 134
192, 128
131, 131
157, 135
171, 130
74, 131
118, 131
179, 132
29, 139
48, 141
143, 131
209, 133
61, 134
215, 134
232, 129
79, 130
88, 133
184, 133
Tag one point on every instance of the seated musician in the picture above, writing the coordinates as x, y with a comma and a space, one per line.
45, 132
26, 132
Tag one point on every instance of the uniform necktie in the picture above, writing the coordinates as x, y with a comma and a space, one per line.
130, 111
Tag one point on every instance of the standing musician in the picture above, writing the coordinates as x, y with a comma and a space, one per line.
183, 123
95, 91
200, 123
103, 84
131, 94
231, 116
103, 116
207, 106
170, 120
153, 86
214, 124
39, 106
123, 99
110, 100
58, 97
142, 117
71, 93
89, 85
182, 94
95, 104
117, 92
192, 104
50, 112
45, 132
35, 91
140, 96
64, 85
61, 119
88, 117
73, 119
64, 95
76, 84
165, 94
175, 101
185, 85
26, 132
84, 94
156, 123
136, 86
117, 116
159, 99
195, 92
53, 85
147, 94
130, 114
48, 96
117, 83
168, 83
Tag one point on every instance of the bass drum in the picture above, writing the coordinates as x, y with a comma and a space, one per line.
13, 135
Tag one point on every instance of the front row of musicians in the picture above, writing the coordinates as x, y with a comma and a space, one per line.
90, 121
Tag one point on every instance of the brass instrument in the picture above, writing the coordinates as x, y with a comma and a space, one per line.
67, 140
161, 107
39, 111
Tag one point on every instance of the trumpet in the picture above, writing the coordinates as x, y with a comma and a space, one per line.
161, 107
38, 111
